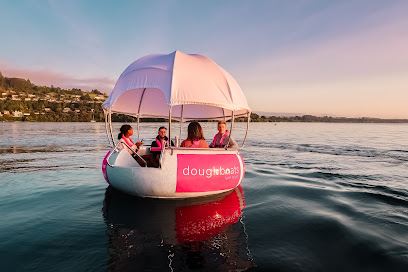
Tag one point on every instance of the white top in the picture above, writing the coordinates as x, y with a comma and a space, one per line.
152, 84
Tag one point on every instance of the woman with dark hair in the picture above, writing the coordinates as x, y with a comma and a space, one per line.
195, 137
124, 136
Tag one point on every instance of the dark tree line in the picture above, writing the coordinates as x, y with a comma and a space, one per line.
325, 119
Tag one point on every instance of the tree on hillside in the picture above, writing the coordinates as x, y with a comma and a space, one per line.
76, 91
86, 97
254, 117
95, 91
19, 84
1, 81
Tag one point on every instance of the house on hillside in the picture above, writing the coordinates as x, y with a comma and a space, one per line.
17, 114
100, 97
66, 110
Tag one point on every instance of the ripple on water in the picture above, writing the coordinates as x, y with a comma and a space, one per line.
318, 197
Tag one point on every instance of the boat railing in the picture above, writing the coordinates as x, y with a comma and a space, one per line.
161, 156
115, 149
217, 150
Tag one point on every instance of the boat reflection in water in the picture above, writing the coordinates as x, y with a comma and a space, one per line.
152, 234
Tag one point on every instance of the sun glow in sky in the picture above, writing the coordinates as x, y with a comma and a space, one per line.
338, 58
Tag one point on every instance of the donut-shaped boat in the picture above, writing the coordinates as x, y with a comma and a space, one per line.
181, 88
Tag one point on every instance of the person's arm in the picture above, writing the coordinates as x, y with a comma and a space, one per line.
232, 143
203, 144
138, 144
215, 139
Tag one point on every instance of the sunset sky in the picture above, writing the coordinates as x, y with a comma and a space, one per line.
338, 58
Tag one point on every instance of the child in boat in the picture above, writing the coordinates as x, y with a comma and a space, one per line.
195, 137
222, 137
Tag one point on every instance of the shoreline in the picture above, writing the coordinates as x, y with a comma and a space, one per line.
392, 121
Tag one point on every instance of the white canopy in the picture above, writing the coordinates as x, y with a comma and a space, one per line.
194, 86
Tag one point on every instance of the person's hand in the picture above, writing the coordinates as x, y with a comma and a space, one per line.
138, 144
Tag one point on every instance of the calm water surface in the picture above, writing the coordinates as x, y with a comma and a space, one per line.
315, 197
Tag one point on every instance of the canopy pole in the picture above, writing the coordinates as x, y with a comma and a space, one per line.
107, 127
230, 132
171, 108
223, 114
138, 114
138, 130
246, 133
110, 126
181, 120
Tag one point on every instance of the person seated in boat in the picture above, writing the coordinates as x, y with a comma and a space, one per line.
160, 140
159, 143
195, 137
222, 137
124, 137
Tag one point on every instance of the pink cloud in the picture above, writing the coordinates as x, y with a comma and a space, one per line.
45, 77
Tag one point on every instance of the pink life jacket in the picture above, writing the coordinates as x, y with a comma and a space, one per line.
160, 147
196, 143
213, 144
128, 141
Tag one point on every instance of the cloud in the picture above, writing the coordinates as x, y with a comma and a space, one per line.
46, 77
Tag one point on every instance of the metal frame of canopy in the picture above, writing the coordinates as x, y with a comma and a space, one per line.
109, 131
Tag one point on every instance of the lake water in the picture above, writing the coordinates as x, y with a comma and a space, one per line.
315, 197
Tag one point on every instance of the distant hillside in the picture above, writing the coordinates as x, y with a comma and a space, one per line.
21, 100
